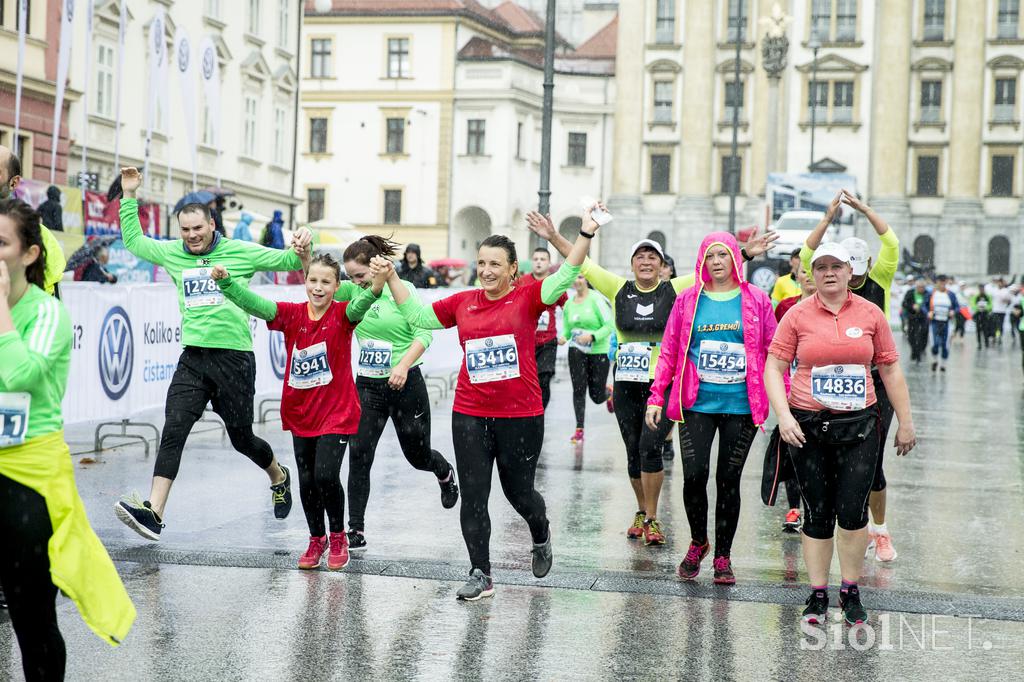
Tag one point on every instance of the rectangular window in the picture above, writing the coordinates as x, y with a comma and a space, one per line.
661, 168
1006, 99
283, 21
475, 133
665, 22
17, 15
842, 102
927, 176
254, 17
934, 19
733, 100
392, 206
732, 167
320, 63
212, 8
1002, 175
249, 127
208, 127
821, 20
577, 149
396, 136
519, 140
931, 101
314, 204
280, 136
398, 57
663, 101
846, 20
318, 135
737, 21
1008, 18
105, 80
817, 98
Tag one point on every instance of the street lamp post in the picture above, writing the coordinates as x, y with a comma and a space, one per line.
544, 194
734, 161
815, 45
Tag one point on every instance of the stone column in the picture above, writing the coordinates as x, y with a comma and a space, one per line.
774, 44
890, 101
629, 100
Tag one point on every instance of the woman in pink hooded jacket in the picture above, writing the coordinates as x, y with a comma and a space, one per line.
713, 353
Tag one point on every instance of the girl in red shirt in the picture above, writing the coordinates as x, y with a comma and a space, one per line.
319, 404
498, 414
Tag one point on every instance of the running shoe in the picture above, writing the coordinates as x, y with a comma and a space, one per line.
723, 571
817, 608
853, 611
356, 540
139, 516
792, 522
577, 437
315, 551
337, 554
652, 533
689, 567
281, 494
542, 557
610, 403
477, 587
884, 550
636, 531
449, 489
935, 366
668, 451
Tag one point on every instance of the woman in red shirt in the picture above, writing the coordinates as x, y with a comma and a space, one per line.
319, 404
830, 420
498, 415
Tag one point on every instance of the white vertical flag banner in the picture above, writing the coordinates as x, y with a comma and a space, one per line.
210, 73
63, 61
157, 55
87, 77
22, 30
185, 67
122, 26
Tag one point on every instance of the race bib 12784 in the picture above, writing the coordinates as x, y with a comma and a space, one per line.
198, 288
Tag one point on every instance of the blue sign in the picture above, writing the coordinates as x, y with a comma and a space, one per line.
116, 353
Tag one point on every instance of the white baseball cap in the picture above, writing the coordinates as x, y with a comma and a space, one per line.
648, 244
859, 256
834, 249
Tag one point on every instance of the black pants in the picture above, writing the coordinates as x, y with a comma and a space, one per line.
644, 447
25, 532
588, 373
998, 321
696, 435
835, 482
225, 378
546, 355
514, 443
318, 460
409, 410
983, 328
917, 334
885, 414
792, 493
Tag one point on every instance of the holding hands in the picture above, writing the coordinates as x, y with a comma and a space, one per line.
218, 272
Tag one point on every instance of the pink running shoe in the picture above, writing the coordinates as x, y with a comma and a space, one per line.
883, 548
610, 404
337, 559
316, 549
690, 565
577, 437
723, 571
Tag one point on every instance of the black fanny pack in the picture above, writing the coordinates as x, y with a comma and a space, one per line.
838, 428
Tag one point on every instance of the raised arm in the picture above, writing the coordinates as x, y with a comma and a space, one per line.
542, 226
360, 305
412, 309
814, 238
131, 230
884, 269
242, 296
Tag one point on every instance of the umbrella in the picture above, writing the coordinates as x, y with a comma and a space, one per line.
448, 262
201, 197
219, 191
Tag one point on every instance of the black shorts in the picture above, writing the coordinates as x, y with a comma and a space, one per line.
225, 378
547, 353
885, 414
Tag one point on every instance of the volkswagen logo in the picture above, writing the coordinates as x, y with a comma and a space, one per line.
278, 354
208, 61
117, 351
183, 55
369, 343
724, 347
488, 342
302, 354
839, 369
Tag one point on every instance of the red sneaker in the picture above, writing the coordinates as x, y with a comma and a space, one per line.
337, 559
636, 531
610, 404
316, 549
723, 571
577, 437
652, 533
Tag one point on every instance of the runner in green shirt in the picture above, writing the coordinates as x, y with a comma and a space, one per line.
217, 364
588, 328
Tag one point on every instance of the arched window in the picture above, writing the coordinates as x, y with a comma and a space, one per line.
570, 228
924, 250
657, 236
999, 255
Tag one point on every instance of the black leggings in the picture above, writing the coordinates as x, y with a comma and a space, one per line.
547, 355
514, 443
885, 414
225, 378
588, 372
318, 460
792, 493
25, 532
835, 481
643, 447
409, 411
696, 435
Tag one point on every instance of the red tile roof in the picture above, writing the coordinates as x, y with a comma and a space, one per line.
519, 18
601, 45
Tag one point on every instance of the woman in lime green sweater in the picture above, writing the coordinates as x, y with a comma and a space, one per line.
588, 327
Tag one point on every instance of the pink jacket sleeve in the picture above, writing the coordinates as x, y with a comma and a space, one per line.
768, 325
668, 357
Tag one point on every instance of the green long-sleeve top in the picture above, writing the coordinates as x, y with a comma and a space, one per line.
592, 316
384, 322
207, 319
265, 309
877, 286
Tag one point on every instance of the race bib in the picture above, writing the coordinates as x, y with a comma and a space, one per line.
374, 359
720, 362
633, 362
840, 387
543, 321
494, 358
574, 342
310, 367
199, 289
14, 409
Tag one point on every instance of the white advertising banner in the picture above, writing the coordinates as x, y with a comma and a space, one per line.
210, 73
67, 17
184, 66
157, 77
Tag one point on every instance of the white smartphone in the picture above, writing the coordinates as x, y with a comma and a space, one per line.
601, 217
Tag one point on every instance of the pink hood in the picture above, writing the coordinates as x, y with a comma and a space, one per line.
758, 329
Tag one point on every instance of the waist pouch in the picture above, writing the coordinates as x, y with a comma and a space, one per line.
838, 428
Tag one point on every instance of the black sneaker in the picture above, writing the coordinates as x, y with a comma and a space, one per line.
356, 540
668, 451
817, 608
139, 516
542, 557
281, 494
449, 489
849, 602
